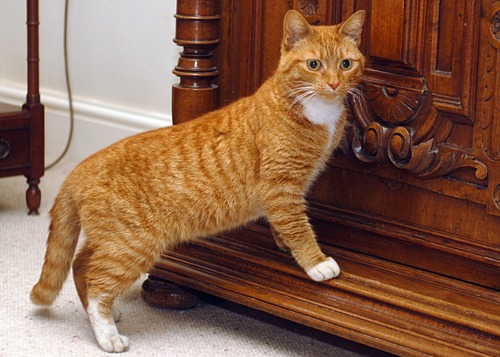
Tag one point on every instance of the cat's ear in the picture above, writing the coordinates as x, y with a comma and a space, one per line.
295, 28
353, 26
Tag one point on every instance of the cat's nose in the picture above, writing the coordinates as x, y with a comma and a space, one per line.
334, 84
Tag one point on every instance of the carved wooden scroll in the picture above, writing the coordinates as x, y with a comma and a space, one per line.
392, 128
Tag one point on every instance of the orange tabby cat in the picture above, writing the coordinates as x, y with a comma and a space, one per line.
256, 157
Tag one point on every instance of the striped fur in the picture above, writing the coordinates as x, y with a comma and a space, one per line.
256, 157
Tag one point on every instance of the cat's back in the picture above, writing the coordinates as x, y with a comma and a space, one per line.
143, 154
210, 162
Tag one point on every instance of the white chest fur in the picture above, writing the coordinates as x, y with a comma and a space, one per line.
324, 112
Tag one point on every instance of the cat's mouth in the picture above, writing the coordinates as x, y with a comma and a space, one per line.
330, 94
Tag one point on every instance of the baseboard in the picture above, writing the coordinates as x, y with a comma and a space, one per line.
97, 124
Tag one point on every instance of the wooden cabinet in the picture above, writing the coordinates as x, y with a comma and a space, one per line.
22, 128
409, 206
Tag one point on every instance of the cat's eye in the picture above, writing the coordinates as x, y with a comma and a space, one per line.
345, 64
313, 64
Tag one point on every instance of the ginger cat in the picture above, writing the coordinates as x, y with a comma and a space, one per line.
256, 157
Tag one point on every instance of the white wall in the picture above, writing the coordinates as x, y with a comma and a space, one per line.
121, 56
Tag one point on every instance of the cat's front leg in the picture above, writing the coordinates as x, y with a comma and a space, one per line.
291, 229
325, 270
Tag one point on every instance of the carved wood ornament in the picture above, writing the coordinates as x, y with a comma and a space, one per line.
308, 8
407, 123
388, 130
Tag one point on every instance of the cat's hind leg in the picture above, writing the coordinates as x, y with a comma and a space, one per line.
103, 324
99, 279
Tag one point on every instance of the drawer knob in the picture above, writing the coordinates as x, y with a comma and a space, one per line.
4, 149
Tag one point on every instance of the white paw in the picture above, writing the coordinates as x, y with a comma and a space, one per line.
105, 330
113, 343
325, 270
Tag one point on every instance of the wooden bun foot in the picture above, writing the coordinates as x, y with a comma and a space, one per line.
162, 294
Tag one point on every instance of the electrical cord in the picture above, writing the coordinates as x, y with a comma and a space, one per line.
68, 89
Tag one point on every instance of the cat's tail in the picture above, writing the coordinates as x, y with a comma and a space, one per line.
61, 245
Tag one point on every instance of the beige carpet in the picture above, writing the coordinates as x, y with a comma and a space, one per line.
224, 329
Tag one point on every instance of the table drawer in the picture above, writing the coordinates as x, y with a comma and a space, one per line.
14, 147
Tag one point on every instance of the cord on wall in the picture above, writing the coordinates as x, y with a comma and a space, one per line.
68, 89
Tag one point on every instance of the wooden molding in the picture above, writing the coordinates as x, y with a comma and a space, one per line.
382, 304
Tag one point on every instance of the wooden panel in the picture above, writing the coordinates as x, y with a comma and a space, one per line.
236, 40
390, 31
398, 222
254, 40
491, 105
271, 34
450, 69
395, 43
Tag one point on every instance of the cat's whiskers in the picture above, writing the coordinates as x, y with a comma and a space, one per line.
355, 91
298, 89
302, 98
301, 93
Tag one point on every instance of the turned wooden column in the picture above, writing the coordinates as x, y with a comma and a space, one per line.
197, 25
36, 110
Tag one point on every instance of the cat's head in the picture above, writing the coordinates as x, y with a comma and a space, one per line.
321, 60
